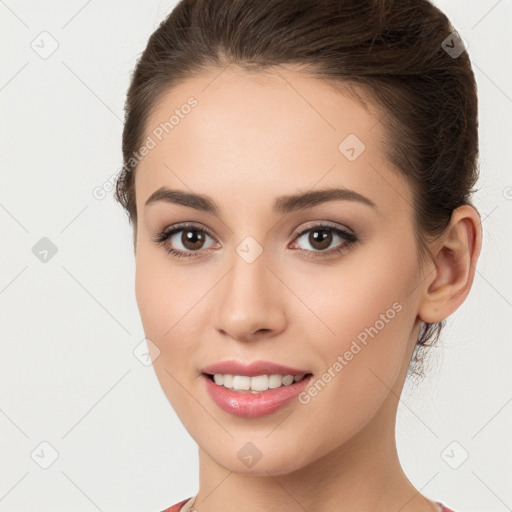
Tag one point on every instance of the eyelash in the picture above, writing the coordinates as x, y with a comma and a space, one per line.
164, 235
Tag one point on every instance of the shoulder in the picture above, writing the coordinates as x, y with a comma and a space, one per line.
176, 507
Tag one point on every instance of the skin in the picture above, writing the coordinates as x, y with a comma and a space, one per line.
253, 137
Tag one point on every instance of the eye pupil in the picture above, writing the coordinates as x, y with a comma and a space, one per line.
320, 238
192, 239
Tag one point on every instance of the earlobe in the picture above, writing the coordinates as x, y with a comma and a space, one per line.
455, 256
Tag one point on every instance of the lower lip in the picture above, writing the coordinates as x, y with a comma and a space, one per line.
249, 405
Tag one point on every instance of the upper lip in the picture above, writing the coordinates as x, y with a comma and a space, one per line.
251, 369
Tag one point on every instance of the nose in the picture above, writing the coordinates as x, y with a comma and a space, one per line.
249, 302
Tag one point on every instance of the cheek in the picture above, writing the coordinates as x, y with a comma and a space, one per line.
367, 318
160, 300
167, 299
365, 290
163, 303
160, 292
151, 289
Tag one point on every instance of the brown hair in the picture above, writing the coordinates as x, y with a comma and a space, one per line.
393, 53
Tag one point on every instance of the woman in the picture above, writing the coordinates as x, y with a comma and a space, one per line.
299, 177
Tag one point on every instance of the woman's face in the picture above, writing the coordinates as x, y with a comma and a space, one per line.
262, 284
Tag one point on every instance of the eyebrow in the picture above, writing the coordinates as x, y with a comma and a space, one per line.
282, 204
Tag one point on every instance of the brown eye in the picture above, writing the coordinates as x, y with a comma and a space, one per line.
189, 239
192, 239
322, 237
184, 240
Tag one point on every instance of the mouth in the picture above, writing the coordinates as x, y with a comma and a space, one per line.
255, 396
256, 384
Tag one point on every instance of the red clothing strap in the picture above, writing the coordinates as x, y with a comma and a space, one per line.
177, 507
444, 508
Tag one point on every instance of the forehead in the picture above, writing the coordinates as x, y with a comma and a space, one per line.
258, 106
267, 133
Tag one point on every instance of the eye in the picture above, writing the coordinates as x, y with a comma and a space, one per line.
188, 241
190, 237
321, 237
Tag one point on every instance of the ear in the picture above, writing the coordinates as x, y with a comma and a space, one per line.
455, 255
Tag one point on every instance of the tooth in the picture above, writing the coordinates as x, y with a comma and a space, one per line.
287, 380
228, 381
259, 383
274, 381
241, 382
255, 384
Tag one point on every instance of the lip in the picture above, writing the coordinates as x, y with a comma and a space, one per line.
233, 367
249, 405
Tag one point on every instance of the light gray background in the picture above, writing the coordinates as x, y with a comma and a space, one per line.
68, 373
